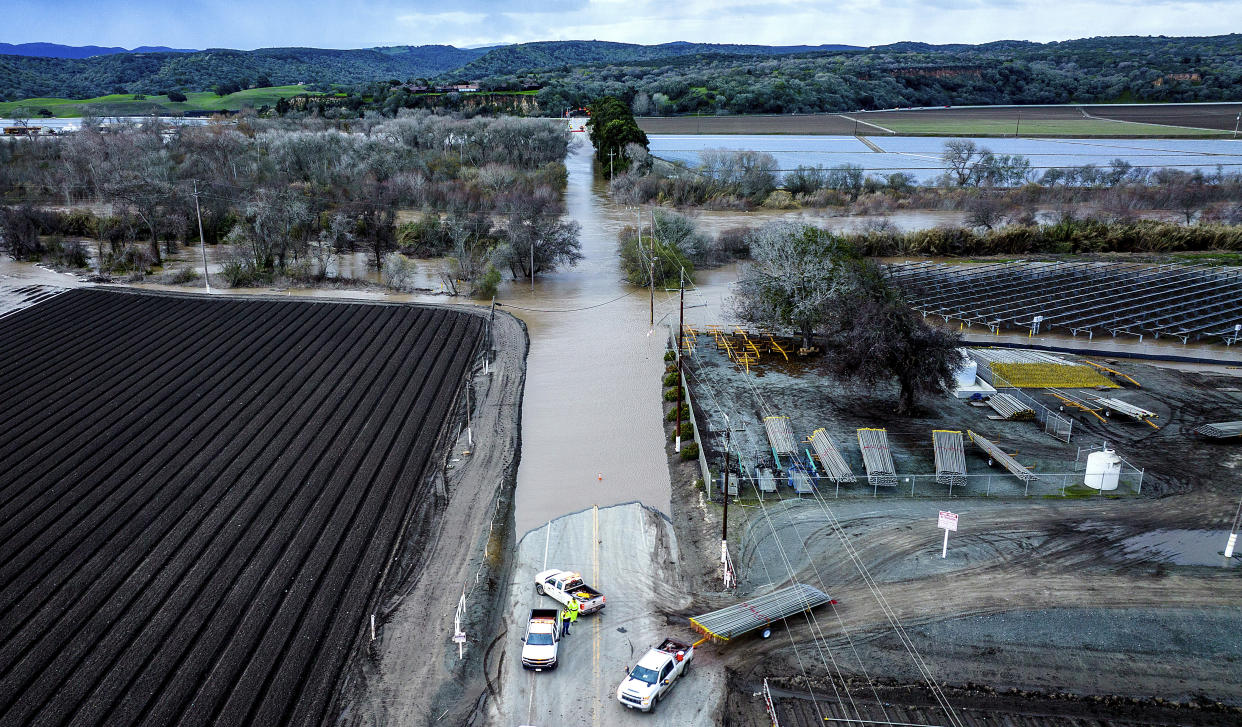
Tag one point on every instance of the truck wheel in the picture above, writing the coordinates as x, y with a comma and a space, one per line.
539, 588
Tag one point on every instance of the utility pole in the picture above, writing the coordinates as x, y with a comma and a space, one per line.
1235, 125
610, 153
1019, 124
724, 527
532, 265
681, 326
202, 244
651, 273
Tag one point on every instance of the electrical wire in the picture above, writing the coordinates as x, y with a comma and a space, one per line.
565, 310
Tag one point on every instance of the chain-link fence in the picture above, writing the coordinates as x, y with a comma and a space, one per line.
989, 484
1054, 424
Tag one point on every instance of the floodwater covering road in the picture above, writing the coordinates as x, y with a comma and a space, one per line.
593, 490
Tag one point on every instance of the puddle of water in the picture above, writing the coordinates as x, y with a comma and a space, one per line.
1180, 547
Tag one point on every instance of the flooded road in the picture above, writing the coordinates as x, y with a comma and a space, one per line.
592, 397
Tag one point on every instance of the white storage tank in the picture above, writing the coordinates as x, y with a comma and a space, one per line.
966, 373
1103, 470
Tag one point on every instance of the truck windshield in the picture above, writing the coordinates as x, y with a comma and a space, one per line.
539, 639
643, 674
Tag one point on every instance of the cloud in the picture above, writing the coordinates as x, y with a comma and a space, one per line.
365, 23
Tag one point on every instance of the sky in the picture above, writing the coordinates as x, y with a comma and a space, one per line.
366, 23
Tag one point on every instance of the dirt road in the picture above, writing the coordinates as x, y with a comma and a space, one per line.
414, 674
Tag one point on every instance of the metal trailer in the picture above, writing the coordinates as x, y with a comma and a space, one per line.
950, 458
835, 467
1137, 413
780, 436
877, 458
733, 621
1220, 430
1009, 463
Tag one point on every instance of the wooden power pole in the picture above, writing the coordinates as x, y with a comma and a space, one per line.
681, 326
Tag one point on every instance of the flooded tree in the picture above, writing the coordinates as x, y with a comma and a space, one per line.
792, 277
874, 336
816, 283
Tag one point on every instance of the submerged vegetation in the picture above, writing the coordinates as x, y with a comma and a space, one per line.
288, 196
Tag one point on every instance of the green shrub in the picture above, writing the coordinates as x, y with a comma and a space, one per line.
671, 379
671, 394
672, 413
687, 431
689, 450
670, 356
487, 285
180, 276
70, 254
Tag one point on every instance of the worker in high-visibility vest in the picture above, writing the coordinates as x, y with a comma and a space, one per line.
571, 615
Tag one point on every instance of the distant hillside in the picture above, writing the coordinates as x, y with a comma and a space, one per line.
55, 50
154, 73
551, 54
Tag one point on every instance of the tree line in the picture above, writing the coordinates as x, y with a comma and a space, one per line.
288, 195
991, 186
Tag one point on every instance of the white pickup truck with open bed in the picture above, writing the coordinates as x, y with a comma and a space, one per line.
542, 640
565, 585
655, 674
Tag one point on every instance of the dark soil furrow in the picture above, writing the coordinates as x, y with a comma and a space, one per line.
135, 531
350, 608
138, 434
58, 316
205, 496
179, 586
84, 373
296, 547
100, 384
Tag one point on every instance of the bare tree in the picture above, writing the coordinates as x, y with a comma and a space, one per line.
791, 279
961, 156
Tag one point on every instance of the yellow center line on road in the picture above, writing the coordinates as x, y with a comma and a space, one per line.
597, 707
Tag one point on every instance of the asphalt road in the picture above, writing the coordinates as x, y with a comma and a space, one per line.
629, 553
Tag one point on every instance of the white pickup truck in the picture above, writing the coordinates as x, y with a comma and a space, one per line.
542, 639
657, 671
563, 585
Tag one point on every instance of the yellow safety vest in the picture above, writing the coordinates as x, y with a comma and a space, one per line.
573, 611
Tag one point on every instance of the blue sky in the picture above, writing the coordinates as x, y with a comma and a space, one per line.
364, 23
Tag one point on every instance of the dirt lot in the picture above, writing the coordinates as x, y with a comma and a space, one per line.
201, 495
1045, 606
830, 124
1204, 116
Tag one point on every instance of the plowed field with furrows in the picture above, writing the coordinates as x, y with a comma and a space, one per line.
198, 498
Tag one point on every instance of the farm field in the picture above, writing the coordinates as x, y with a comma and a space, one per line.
201, 498
1024, 121
126, 104
1208, 116
1153, 120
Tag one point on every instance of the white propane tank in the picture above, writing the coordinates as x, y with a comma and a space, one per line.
1103, 470
967, 370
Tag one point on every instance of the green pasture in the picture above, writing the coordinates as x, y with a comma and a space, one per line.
127, 105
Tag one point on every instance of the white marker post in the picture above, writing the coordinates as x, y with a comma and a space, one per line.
1233, 540
948, 521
